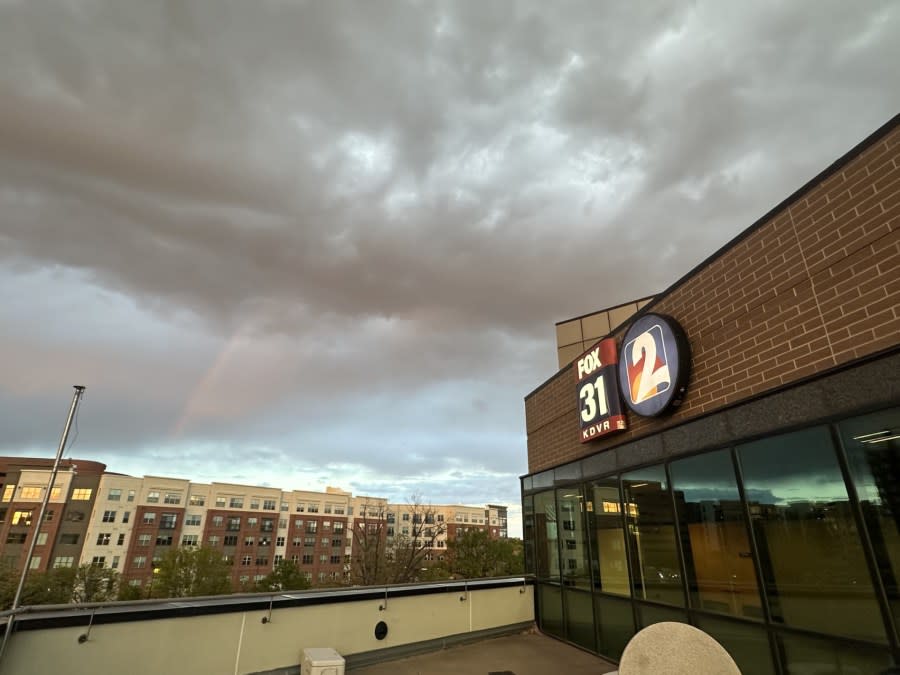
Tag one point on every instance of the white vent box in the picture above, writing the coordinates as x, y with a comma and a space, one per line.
321, 661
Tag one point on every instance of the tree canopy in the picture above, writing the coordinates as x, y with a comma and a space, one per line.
190, 572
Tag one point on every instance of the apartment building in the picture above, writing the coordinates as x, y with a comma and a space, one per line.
129, 523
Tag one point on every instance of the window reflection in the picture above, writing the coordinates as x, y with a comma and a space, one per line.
810, 552
716, 548
655, 571
575, 570
528, 533
872, 443
608, 561
546, 549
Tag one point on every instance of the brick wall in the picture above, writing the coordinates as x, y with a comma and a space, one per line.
816, 285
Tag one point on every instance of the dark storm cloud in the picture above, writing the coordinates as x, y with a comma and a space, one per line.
295, 225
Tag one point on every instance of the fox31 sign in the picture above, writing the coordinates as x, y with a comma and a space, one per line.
599, 406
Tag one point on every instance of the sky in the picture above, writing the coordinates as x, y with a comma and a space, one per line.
302, 244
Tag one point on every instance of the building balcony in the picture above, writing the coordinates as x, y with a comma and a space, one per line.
483, 625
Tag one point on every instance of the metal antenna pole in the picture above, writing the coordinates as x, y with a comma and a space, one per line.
79, 391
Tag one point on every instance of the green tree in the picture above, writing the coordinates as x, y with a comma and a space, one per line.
285, 577
474, 555
391, 548
95, 584
190, 572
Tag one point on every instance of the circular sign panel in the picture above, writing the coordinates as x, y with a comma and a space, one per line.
654, 365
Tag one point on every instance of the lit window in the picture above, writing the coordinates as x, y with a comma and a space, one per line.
31, 493
8, 492
21, 517
82, 494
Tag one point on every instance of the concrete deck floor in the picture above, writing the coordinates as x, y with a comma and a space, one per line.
530, 653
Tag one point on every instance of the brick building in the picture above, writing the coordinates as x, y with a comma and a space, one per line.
129, 523
760, 505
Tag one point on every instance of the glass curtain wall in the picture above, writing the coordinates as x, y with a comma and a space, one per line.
785, 549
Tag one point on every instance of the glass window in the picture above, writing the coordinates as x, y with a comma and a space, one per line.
649, 614
717, 555
810, 552
803, 654
608, 562
615, 625
873, 453
528, 532
575, 567
82, 494
655, 571
580, 618
546, 537
747, 643
550, 609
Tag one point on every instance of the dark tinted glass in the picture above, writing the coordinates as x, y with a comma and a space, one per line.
873, 452
550, 614
810, 551
580, 618
747, 643
574, 561
609, 564
615, 625
546, 535
650, 614
802, 654
528, 533
719, 564
655, 573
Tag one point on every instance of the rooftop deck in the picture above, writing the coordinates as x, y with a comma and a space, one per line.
527, 653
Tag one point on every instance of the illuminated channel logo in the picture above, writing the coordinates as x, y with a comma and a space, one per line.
654, 365
599, 407
648, 367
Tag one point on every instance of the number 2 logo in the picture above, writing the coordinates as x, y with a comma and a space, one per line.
648, 368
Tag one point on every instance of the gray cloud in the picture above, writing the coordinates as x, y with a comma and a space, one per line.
344, 231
